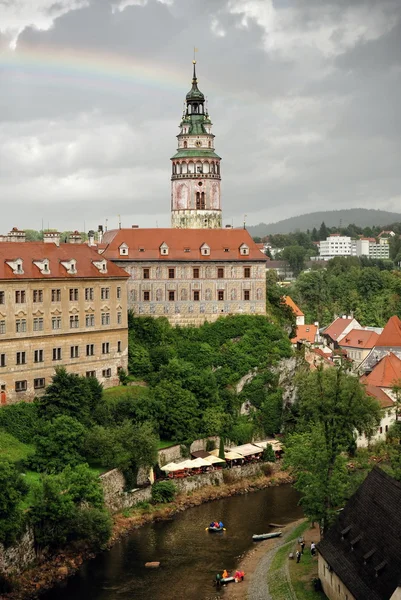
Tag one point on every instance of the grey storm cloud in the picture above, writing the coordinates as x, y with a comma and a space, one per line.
304, 96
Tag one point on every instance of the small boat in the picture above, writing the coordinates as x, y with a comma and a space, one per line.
265, 536
225, 580
275, 525
214, 529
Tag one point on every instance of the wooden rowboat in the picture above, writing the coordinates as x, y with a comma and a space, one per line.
225, 580
214, 529
265, 536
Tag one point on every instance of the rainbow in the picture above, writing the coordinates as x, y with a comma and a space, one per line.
88, 68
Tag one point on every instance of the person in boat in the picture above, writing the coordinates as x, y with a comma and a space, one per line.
221, 525
216, 524
225, 574
211, 525
218, 580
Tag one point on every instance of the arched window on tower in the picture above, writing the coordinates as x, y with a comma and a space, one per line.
185, 144
210, 144
202, 201
198, 200
217, 168
212, 168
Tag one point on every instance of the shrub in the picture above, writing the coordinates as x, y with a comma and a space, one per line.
266, 469
268, 454
143, 505
59, 443
93, 525
12, 491
163, 492
228, 477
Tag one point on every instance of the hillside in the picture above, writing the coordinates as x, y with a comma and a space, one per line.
332, 218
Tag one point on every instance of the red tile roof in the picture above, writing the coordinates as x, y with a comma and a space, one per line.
337, 327
359, 338
29, 252
290, 302
183, 244
386, 373
375, 392
305, 333
391, 334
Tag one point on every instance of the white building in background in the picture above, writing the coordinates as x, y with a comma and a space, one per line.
336, 245
342, 245
369, 247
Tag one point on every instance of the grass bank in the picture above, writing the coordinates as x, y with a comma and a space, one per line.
289, 580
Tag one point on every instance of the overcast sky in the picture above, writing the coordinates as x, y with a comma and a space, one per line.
304, 95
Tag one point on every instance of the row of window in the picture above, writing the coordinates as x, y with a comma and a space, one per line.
40, 382
38, 355
73, 294
196, 273
38, 322
171, 295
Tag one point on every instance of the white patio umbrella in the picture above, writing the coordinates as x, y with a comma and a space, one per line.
214, 460
174, 466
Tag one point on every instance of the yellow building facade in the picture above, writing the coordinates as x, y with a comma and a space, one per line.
59, 305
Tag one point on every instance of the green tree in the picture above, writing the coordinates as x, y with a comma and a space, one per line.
59, 443
295, 256
323, 231
180, 412
12, 491
320, 477
139, 363
69, 506
71, 395
340, 404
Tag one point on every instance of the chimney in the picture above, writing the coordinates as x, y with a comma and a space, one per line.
91, 238
16, 235
75, 238
51, 237
100, 234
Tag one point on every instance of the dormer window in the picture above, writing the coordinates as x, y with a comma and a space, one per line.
16, 266
205, 250
164, 249
123, 249
70, 266
101, 265
244, 250
141, 249
43, 266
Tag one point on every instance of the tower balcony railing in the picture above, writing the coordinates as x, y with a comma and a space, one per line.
192, 175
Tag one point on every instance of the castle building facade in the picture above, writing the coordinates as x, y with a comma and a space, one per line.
190, 275
59, 305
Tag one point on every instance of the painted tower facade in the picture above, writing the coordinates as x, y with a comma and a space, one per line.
195, 179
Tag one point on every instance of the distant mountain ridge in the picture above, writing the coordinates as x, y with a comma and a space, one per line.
362, 217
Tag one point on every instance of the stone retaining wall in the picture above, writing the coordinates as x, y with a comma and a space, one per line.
116, 499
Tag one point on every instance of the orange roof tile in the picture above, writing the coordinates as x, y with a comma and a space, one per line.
183, 244
337, 327
391, 334
359, 338
29, 252
290, 302
376, 392
386, 372
305, 333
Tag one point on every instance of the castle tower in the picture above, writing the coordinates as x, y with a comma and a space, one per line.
195, 179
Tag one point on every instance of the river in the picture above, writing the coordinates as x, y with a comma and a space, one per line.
190, 557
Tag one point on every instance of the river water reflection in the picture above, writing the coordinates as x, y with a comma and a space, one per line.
190, 557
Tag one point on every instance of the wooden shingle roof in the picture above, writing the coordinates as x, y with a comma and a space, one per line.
363, 547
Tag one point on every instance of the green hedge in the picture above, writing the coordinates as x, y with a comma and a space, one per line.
20, 420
